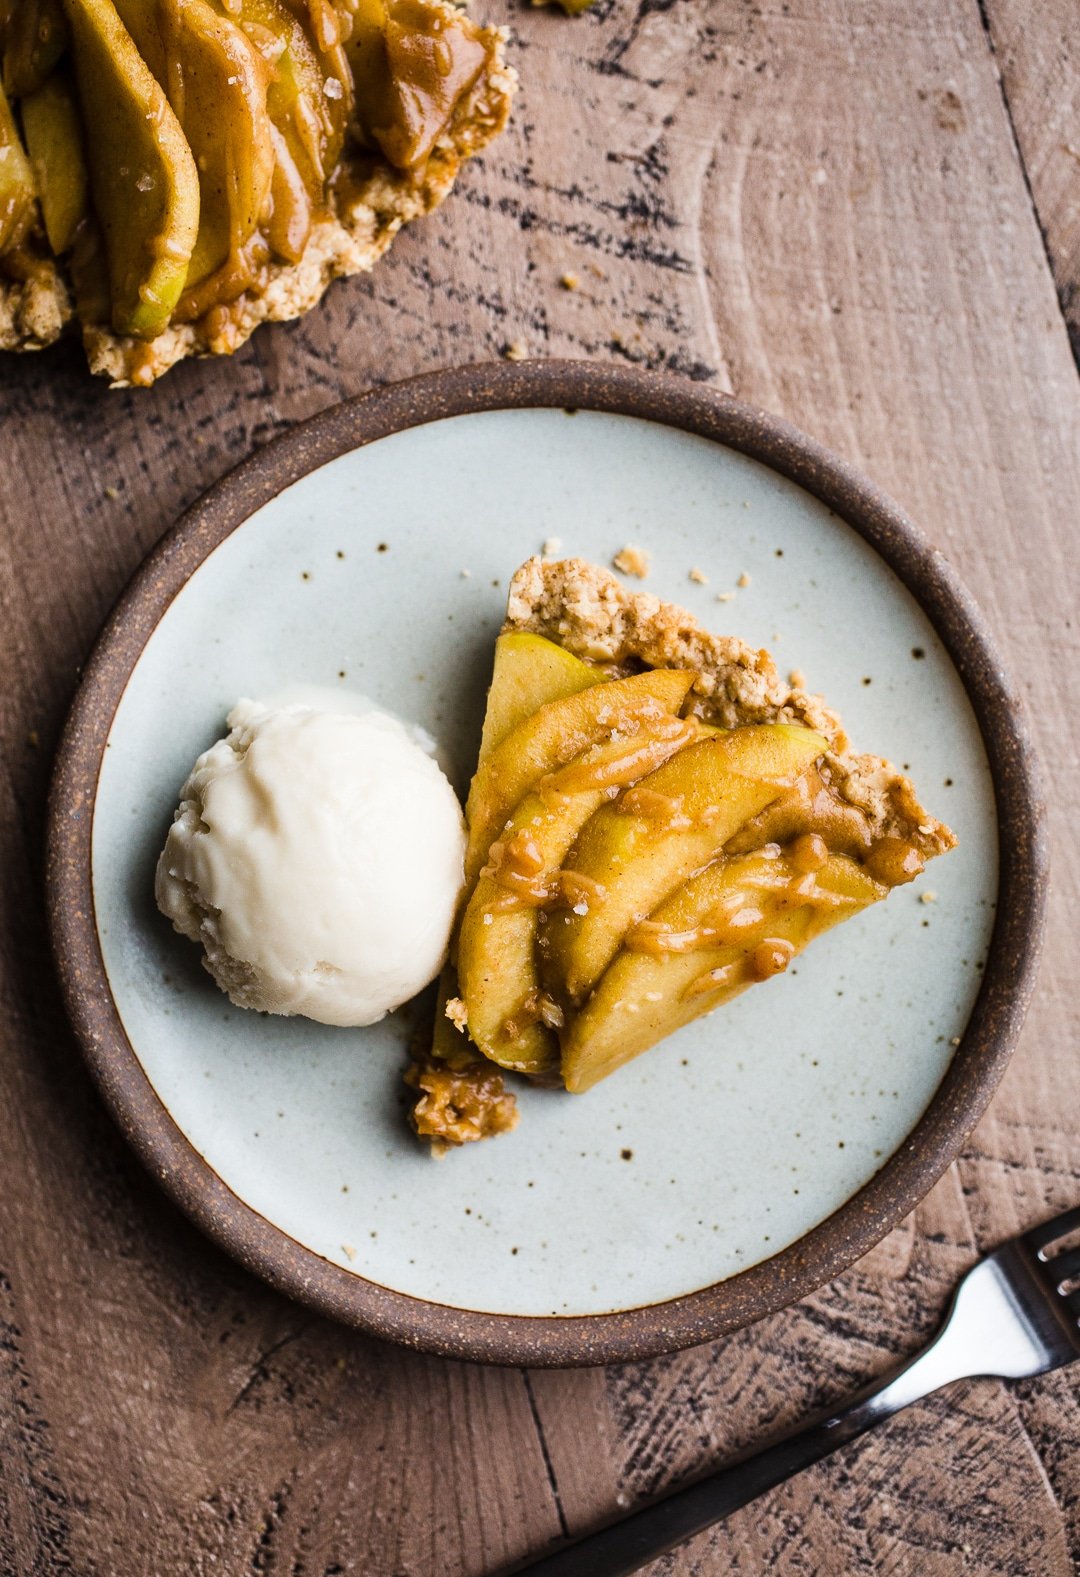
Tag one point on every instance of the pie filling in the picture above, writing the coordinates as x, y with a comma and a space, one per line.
657, 822
173, 172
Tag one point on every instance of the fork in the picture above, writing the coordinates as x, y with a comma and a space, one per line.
1015, 1314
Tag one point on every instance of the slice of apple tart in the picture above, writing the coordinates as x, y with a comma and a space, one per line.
657, 822
175, 172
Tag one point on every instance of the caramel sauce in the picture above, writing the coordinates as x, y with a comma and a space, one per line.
729, 923
243, 268
770, 957
287, 224
894, 861
809, 852
666, 810
655, 741
516, 865
576, 891
715, 980
810, 807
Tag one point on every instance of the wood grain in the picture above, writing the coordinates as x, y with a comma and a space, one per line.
1040, 82
860, 217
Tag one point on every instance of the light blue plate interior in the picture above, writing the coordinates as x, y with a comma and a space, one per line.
386, 572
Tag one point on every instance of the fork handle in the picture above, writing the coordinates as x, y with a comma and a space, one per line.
645, 1535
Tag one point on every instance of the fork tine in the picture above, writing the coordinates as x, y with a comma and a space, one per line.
1039, 1238
1063, 1267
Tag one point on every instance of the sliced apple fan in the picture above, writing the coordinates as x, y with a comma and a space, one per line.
657, 822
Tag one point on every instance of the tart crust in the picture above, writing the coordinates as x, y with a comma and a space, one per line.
585, 609
35, 310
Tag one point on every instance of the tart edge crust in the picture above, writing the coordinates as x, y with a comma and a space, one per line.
590, 613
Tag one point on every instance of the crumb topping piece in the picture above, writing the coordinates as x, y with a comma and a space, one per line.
458, 1106
455, 1011
631, 560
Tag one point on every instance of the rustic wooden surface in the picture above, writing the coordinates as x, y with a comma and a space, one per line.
866, 217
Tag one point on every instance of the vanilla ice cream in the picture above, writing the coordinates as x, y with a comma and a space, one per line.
317, 856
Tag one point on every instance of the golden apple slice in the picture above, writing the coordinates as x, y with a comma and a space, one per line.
217, 85
308, 101
737, 923
142, 174
509, 1017
16, 182
54, 141
552, 737
34, 38
529, 672
411, 65
648, 843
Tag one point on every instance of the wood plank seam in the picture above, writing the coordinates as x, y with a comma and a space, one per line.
1048, 254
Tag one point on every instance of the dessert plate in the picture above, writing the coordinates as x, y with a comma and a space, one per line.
746, 1160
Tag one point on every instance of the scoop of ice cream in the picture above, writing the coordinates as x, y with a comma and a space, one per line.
317, 856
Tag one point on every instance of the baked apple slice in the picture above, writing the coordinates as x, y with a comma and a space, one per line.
529, 672
143, 177
53, 133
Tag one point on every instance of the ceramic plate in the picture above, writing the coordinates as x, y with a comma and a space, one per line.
741, 1162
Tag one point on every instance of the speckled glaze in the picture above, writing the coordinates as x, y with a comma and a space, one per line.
411, 1316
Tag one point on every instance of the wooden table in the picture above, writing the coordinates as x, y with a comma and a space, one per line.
866, 217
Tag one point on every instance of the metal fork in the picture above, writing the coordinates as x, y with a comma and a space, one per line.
1015, 1314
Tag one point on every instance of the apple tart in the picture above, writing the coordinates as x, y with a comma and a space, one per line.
657, 823
175, 172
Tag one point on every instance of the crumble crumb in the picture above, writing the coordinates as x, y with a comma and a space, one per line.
797, 679
743, 581
348, 1251
928, 897
725, 596
456, 1012
459, 1105
466, 574
569, 281
699, 576
552, 547
631, 560
515, 351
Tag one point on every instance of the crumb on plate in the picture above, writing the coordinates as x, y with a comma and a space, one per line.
632, 560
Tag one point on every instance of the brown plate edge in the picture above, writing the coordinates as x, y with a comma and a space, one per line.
833, 1245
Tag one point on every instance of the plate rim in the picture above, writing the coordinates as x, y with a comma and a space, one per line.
857, 1225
